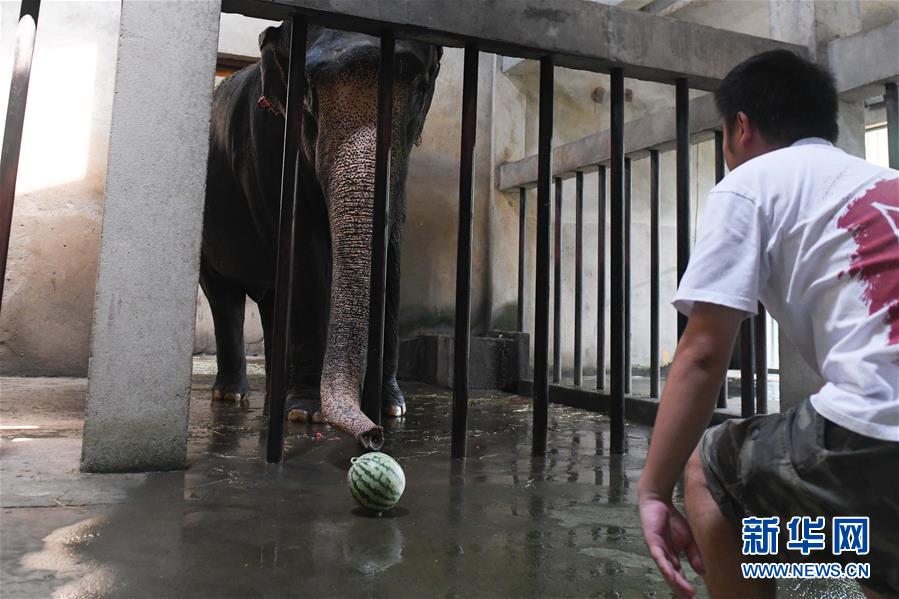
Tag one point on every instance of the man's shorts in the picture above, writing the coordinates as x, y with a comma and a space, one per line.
798, 463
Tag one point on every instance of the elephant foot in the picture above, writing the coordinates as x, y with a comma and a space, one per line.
393, 404
230, 391
373, 438
301, 408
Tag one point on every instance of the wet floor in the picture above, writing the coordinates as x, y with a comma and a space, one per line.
503, 524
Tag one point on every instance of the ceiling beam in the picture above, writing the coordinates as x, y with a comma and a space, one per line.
580, 34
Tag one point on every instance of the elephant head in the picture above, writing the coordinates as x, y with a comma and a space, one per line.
339, 139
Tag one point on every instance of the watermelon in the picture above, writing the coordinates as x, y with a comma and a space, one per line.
376, 481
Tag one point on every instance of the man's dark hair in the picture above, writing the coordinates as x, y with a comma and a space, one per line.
787, 97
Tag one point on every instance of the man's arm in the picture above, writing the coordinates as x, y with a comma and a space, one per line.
686, 407
690, 394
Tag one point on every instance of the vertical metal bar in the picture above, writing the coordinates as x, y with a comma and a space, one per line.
654, 273
719, 174
26, 32
557, 285
522, 235
290, 186
747, 359
578, 278
761, 361
463, 253
541, 299
682, 124
601, 279
891, 97
616, 298
627, 276
374, 368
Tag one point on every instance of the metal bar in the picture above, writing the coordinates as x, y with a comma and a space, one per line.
578, 278
682, 126
26, 32
761, 361
290, 186
601, 279
719, 174
541, 299
374, 369
747, 347
654, 267
627, 276
557, 284
616, 298
463, 253
522, 239
891, 97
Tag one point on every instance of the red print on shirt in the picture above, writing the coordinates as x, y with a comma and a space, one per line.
873, 221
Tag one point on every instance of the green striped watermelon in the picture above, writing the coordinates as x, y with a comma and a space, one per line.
376, 481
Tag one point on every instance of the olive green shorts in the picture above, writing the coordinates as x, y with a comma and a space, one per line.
798, 463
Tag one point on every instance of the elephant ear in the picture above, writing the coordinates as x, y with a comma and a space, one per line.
423, 93
271, 66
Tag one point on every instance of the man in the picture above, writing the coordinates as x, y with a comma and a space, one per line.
814, 234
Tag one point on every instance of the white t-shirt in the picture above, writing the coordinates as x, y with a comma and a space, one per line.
813, 233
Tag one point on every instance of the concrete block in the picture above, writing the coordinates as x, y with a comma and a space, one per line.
143, 325
863, 62
497, 361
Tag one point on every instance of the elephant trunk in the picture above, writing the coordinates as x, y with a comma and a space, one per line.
345, 164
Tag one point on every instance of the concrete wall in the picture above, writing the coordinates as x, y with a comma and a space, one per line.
51, 272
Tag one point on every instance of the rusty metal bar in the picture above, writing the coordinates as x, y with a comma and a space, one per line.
628, 375
891, 98
578, 279
719, 174
654, 267
541, 300
522, 238
747, 359
557, 284
682, 126
26, 32
601, 279
290, 186
761, 361
616, 298
462, 339
374, 369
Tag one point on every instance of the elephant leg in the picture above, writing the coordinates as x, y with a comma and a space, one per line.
266, 307
393, 404
309, 316
303, 402
226, 301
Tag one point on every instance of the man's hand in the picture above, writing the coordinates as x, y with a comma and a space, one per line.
684, 411
667, 535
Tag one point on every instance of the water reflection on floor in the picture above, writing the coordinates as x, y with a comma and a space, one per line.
503, 523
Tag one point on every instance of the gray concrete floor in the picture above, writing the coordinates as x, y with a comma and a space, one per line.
504, 524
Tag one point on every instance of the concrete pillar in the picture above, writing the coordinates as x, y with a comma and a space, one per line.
144, 310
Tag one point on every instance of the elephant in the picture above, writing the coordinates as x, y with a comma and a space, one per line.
332, 260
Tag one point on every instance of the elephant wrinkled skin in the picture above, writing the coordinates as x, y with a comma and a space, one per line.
329, 330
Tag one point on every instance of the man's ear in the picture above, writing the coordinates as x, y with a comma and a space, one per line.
743, 128
274, 83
